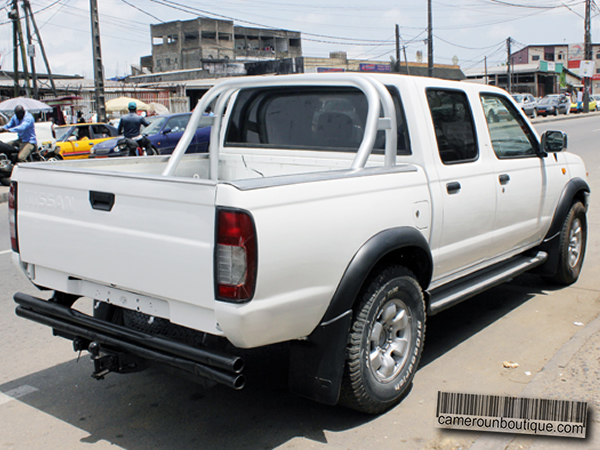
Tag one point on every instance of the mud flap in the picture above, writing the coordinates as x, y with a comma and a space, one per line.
317, 363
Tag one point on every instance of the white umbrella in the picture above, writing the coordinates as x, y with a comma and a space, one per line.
31, 105
122, 103
159, 108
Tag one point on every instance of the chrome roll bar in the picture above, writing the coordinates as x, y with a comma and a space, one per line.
376, 93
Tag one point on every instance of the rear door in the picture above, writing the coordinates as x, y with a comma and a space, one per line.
465, 178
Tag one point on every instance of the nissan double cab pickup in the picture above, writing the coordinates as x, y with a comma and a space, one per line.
333, 212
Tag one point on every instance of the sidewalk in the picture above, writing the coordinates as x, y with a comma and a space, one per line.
572, 374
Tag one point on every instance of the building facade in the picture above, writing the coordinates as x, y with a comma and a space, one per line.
570, 56
182, 45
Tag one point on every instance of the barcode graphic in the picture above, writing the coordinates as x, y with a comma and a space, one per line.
512, 407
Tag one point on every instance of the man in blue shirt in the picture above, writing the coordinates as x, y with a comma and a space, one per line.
23, 124
130, 126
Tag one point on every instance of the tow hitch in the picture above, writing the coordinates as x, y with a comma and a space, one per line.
107, 360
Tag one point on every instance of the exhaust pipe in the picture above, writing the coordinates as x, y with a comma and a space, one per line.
209, 364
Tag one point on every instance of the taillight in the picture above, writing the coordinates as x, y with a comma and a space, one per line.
235, 256
12, 216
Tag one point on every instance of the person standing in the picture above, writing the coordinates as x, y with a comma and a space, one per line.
23, 124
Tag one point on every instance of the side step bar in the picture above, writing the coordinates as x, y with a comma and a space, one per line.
446, 296
81, 328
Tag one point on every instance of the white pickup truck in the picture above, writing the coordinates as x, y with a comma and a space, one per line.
333, 212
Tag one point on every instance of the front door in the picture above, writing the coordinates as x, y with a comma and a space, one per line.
524, 181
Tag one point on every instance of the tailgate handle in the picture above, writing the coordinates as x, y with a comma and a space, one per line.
102, 201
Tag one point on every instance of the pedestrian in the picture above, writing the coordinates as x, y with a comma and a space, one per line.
130, 126
80, 118
580, 100
23, 124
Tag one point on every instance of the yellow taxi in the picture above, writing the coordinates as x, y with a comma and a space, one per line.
593, 106
76, 140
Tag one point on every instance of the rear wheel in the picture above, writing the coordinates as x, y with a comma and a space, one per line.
385, 342
152, 151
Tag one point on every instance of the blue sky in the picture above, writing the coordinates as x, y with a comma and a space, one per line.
466, 29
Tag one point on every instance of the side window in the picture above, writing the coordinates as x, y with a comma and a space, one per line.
453, 123
511, 136
178, 124
83, 132
100, 131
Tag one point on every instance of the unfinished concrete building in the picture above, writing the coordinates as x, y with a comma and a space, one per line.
181, 45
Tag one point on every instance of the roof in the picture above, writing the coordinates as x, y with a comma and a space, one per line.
447, 73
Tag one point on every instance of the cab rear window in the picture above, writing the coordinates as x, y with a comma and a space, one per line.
308, 119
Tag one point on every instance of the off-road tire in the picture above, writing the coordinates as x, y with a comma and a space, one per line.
385, 341
571, 246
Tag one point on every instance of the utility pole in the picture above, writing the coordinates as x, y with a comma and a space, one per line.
429, 39
27, 7
98, 70
508, 66
14, 15
31, 52
487, 81
588, 56
397, 68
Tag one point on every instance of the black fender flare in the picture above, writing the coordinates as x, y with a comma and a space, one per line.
317, 362
579, 189
372, 252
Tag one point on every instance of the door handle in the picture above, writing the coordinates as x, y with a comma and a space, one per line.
504, 178
453, 187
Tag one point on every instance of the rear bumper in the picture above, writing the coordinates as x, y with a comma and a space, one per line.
71, 324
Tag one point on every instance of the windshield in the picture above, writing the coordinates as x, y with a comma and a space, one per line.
548, 100
62, 133
156, 124
518, 98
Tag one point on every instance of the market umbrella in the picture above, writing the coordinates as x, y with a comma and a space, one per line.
121, 104
158, 108
31, 105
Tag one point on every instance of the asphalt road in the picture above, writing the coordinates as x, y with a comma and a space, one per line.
48, 399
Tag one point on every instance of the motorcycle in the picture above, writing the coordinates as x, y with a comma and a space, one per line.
9, 157
133, 147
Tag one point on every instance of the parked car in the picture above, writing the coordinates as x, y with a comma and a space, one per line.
527, 103
593, 105
76, 140
553, 104
494, 109
164, 133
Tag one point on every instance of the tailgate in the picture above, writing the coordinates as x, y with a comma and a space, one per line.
155, 239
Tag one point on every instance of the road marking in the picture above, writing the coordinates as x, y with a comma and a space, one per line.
4, 252
16, 393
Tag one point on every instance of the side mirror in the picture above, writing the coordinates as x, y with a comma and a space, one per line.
166, 130
554, 141
72, 138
